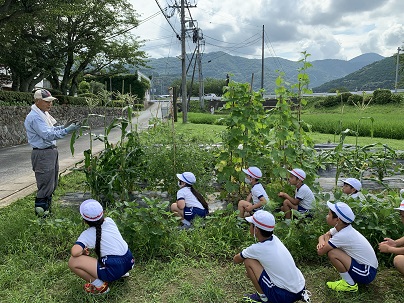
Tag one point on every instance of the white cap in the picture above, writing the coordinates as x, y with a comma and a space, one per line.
298, 173
253, 171
263, 220
343, 211
401, 206
91, 210
355, 183
187, 177
43, 94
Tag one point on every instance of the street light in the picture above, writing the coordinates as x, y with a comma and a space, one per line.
397, 63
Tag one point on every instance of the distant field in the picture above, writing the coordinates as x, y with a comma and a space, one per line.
212, 133
387, 121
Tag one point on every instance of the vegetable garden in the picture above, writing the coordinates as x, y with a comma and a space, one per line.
275, 141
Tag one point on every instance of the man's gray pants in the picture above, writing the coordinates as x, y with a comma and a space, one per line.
45, 164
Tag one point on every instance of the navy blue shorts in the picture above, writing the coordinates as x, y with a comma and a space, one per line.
360, 273
191, 212
302, 209
115, 266
276, 294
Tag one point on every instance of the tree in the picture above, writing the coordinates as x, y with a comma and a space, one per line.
76, 37
25, 43
96, 41
10, 10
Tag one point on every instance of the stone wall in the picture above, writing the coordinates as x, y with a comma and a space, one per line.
12, 131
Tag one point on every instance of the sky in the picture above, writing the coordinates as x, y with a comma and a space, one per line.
326, 29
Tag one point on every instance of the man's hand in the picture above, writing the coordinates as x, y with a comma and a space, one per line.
72, 127
69, 122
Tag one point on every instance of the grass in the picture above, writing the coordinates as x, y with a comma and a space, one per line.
212, 133
387, 120
33, 267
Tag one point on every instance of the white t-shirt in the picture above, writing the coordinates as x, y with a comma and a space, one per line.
112, 242
258, 191
355, 245
306, 196
277, 262
190, 199
358, 195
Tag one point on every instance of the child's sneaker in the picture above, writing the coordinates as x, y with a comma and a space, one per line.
241, 222
125, 275
185, 227
92, 289
342, 285
253, 298
306, 296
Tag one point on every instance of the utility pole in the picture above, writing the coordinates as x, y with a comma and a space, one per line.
262, 59
199, 58
397, 64
183, 58
183, 67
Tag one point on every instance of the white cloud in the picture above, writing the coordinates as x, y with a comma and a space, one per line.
326, 29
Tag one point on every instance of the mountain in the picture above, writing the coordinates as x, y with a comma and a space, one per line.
379, 74
218, 64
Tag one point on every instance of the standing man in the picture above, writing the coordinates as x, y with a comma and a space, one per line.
42, 135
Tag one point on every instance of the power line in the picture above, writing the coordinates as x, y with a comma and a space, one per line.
165, 16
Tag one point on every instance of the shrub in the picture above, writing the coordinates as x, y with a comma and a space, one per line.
343, 98
330, 101
87, 95
195, 106
63, 99
354, 100
396, 98
16, 98
382, 96
84, 87
205, 118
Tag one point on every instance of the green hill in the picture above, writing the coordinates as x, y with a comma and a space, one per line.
380, 74
218, 64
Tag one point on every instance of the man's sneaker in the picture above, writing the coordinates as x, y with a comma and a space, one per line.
342, 285
40, 212
125, 275
306, 296
92, 289
253, 298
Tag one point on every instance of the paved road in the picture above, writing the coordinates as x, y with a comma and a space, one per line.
17, 179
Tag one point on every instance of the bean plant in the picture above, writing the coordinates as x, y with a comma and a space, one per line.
274, 140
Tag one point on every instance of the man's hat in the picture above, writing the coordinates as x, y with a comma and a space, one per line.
44, 95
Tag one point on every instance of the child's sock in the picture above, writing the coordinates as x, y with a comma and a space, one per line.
186, 222
287, 221
263, 297
347, 277
97, 283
